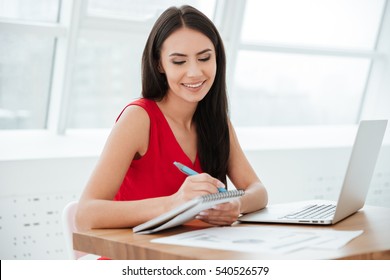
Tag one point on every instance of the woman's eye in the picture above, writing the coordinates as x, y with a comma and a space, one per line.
204, 59
178, 62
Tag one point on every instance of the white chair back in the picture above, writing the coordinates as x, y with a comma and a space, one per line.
69, 226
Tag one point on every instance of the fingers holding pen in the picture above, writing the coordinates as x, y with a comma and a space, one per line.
204, 183
196, 185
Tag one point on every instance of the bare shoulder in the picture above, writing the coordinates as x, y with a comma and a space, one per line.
134, 119
131, 131
134, 115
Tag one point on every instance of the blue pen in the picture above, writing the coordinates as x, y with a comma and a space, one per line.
188, 171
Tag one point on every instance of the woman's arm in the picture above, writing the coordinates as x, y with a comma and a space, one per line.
129, 139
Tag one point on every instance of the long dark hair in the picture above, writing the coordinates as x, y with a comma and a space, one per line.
211, 115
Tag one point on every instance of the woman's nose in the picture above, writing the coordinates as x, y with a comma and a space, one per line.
194, 70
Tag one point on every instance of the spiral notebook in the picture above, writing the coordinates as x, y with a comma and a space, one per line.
186, 211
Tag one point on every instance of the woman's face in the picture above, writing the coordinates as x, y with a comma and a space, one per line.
188, 60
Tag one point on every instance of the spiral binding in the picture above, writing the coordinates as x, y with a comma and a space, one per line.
222, 195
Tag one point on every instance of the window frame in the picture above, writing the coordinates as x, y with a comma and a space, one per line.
232, 35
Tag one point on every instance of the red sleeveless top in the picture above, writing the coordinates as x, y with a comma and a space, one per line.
154, 174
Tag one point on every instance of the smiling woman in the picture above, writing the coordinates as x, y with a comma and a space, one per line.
183, 116
67, 68
191, 68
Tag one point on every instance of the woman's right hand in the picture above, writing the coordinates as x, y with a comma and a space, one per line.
196, 185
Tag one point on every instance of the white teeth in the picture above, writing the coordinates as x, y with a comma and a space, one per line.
193, 85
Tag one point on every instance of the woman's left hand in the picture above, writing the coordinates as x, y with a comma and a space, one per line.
222, 214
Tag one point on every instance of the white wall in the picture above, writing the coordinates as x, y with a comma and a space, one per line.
32, 196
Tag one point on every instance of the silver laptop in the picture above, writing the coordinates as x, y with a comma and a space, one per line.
353, 192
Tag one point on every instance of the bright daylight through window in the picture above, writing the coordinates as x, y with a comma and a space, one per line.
297, 62
304, 62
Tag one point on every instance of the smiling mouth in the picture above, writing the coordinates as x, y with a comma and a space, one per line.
196, 85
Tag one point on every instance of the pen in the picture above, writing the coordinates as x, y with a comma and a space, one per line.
188, 171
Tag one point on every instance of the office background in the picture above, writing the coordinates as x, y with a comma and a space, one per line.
301, 75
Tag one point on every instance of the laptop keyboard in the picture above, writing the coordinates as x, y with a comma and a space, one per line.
322, 211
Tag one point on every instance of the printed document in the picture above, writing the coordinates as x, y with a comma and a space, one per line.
261, 239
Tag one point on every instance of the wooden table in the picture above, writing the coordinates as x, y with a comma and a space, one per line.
374, 243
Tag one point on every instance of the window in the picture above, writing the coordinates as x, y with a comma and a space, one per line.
297, 89
106, 77
141, 10
25, 70
324, 24
30, 10
76, 64
26, 60
304, 62
73, 64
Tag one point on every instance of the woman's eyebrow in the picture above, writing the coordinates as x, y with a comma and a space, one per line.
181, 54
204, 51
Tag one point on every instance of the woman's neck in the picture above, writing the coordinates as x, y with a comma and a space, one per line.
178, 111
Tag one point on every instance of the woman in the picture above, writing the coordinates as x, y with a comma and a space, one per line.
183, 116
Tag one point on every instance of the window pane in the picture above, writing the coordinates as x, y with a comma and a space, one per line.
35, 10
25, 69
293, 89
346, 24
142, 10
106, 77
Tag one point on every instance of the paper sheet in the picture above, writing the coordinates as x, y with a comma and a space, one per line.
261, 239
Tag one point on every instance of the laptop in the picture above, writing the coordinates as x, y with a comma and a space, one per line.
353, 191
